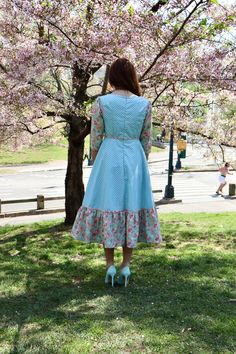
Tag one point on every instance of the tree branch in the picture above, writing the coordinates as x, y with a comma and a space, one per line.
175, 35
60, 66
181, 10
72, 41
3, 68
37, 131
160, 93
159, 4
105, 82
63, 32
204, 135
45, 92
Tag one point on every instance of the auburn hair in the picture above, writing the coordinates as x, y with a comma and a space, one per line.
122, 76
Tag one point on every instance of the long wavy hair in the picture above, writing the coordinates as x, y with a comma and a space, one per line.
122, 76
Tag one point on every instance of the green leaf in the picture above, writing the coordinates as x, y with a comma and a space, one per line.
215, 2
53, 38
176, 27
203, 22
131, 10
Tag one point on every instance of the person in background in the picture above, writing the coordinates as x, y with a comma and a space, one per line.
224, 171
118, 207
86, 156
163, 134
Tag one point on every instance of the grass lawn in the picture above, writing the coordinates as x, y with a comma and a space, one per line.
37, 154
41, 154
53, 299
156, 149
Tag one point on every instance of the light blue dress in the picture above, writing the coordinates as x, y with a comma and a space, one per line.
118, 207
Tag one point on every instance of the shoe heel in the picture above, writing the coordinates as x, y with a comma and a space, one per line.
111, 272
125, 273
106, 278
126, 281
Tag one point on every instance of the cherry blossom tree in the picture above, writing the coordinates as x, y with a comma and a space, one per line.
202, 66
51, 50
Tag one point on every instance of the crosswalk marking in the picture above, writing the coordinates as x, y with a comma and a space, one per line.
188, 188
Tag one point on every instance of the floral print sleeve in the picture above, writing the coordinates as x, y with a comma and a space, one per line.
97, 127
146, 134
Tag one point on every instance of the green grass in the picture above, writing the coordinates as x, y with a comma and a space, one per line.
7, 171
37, 154
40, 154
53, 299
156, 149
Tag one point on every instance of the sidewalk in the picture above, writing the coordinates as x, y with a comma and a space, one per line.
62, 164
48, 166
194, 160
199, 207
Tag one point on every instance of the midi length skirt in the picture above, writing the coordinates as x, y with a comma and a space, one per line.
118, 207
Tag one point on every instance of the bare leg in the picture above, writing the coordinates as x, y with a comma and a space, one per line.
109, 255
220, 188
223, 184
127, 254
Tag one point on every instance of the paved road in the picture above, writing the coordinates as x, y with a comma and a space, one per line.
192, 186
28, 181
189, 186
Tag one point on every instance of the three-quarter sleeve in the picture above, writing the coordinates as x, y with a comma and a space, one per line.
97, 126
146, 134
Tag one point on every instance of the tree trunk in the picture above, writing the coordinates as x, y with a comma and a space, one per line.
223, 153
74, 186
79, 128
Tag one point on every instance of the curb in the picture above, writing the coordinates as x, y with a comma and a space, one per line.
199, 170
167, 201
195, 170
31, 212
155, 161
230, 197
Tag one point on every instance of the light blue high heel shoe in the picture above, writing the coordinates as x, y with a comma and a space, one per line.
111, 272
125, 273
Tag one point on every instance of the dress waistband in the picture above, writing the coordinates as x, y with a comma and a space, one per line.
223, 176
115, 138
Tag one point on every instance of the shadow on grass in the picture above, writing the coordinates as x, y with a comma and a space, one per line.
57, 283
186, 231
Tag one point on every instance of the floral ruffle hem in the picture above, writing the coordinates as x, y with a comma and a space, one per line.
116, 228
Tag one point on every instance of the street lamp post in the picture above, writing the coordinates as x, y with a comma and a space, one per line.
178, 164
169, 189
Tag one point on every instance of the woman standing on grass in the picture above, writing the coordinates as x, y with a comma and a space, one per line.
118, 207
